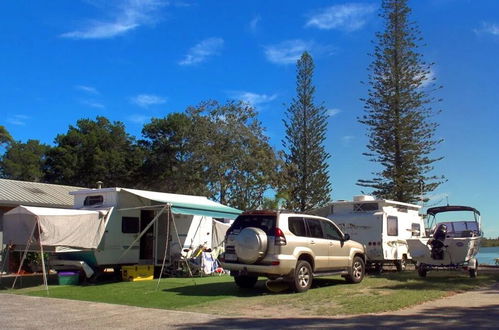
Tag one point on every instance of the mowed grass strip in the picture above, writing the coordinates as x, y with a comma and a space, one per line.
328, 297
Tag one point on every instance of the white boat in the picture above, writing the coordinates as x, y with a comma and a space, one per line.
451, 241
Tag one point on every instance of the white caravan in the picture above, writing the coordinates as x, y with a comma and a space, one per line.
117, 226
383, 226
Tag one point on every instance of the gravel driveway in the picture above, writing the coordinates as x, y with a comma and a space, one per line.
472, 309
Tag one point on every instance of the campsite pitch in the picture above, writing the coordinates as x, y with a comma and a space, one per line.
329, 296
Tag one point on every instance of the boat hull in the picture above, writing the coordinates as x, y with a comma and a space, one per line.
457, 251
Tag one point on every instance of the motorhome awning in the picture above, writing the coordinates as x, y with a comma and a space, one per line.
58, 227
188, 204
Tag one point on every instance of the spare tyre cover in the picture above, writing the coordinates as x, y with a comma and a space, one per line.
251, 245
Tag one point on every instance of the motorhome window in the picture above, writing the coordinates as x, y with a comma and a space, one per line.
363, 207
314, 227
93, 200
130, 225
416, 229
297, 226
392, 226
330, 231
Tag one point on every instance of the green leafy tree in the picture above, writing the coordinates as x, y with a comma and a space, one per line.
94, 151
239, 164
397, 111
171, 162
306, 178
5, 137
24, 161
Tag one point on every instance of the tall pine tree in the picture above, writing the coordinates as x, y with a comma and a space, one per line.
306, 170
397, 111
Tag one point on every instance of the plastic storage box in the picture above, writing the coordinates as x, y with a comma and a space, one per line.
137, 273
68, 278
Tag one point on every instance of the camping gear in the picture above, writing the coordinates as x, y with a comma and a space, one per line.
110, 227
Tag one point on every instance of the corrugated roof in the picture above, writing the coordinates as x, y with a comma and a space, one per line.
14, 192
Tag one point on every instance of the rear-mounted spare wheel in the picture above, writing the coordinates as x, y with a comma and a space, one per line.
251, 245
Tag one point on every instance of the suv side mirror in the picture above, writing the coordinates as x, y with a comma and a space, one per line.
346, 237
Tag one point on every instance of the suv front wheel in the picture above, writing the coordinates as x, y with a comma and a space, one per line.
302, 279
357, 271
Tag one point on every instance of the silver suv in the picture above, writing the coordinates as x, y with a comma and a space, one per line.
295, 247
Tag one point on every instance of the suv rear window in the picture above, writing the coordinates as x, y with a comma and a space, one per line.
264, 222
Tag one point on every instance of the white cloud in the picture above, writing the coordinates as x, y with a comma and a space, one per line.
253, 25
129, 15
253, 99
347, 139
287, 52
87, 89
93, 104
333, 112
347, 17
146, 100
488, 28
202, 51
19, 120
138, 118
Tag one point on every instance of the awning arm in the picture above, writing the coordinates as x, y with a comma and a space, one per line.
148, 207
166, 206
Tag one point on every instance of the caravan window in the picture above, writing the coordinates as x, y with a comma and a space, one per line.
416, 229
93, 200
392, 226
363, 207
130, 225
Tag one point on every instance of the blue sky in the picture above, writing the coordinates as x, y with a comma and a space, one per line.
133, 60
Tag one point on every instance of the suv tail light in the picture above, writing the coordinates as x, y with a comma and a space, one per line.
279, 238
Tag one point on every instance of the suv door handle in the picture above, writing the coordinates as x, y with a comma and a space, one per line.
312, 242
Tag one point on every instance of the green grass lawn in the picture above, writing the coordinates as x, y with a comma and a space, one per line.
329, 296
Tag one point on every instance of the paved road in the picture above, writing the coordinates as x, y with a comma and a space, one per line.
466, 310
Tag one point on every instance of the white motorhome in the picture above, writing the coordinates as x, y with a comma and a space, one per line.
110, 227
381, 225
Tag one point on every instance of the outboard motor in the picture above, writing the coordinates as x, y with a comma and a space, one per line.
437, 243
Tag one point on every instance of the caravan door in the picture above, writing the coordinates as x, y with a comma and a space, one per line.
147, 240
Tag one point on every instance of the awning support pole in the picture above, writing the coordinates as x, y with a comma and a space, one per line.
167, 242
45, 282
145, 230
25, 253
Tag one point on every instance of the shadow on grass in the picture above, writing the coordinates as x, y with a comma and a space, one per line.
231, 289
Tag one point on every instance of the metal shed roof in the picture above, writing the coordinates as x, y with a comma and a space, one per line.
14, 192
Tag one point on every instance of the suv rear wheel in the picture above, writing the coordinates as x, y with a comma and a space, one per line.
357, 271
245, 281
302, 280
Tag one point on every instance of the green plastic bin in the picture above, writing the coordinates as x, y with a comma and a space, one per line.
69, 278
